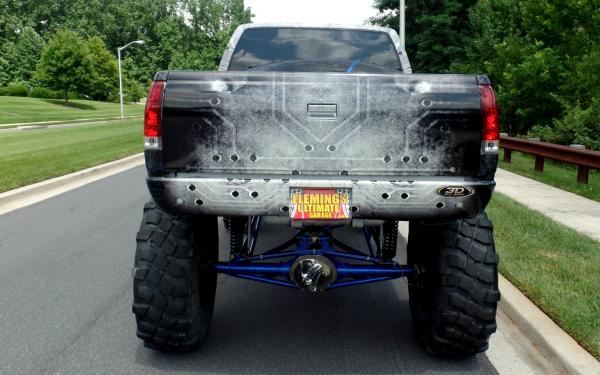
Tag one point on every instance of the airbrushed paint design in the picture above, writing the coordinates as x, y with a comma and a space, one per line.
258, 123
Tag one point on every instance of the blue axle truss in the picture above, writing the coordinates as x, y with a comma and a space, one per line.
273, 266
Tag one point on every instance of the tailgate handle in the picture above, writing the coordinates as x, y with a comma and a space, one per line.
322, 111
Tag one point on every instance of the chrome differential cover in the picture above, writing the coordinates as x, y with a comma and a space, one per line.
313, 273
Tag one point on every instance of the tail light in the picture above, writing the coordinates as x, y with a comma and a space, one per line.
490, 132
153, 117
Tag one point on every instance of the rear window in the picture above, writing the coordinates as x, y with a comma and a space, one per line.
263, 46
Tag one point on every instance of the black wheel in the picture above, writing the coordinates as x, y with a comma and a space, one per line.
454, 295
173, 284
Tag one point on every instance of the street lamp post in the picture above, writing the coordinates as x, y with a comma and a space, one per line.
120, 74
402, 23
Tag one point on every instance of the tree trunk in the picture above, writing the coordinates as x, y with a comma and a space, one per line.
66, 96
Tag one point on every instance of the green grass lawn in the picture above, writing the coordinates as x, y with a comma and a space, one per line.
30, 156
18, 110
560, 175
556, 267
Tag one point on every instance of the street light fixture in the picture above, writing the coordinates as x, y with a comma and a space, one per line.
120, 75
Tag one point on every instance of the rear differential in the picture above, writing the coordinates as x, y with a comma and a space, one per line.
313, 273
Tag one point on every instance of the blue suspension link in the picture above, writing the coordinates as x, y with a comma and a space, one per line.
361, 269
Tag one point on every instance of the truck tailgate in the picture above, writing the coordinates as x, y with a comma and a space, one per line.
271, 123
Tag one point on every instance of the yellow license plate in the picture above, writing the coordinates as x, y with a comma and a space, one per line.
320, 204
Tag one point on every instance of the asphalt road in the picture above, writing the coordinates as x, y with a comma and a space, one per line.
65, 297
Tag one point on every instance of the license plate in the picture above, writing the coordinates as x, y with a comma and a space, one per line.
320, 204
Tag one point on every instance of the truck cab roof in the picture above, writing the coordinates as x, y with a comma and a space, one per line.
235, 38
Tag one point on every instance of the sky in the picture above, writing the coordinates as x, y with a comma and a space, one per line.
312, 11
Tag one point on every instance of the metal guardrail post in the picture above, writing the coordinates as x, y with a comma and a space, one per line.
539, 163
507, 155
583, 174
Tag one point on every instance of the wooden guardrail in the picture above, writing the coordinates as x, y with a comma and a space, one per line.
582, 158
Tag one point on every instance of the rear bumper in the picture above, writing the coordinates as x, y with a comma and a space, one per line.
417, 198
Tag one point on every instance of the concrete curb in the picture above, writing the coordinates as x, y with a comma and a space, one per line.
552, 342
30, 194
58, 122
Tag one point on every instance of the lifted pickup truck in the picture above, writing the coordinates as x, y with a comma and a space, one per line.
319, 128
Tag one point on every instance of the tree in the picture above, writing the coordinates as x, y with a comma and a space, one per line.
541, 55
65, 64
436, 30
4, 72
184, 34
105, 74
21, 55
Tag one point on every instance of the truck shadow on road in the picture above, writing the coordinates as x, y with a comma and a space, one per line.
269, 330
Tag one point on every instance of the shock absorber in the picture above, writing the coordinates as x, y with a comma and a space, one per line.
389, 239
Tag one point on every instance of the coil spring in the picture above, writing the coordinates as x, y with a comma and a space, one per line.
237, 231
389, 239
227, 222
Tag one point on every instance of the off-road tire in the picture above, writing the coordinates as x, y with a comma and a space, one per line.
454, 295
173, 284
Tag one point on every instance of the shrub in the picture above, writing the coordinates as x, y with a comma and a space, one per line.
15, 90
577, 125
74, 95
134, 91
44, 93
